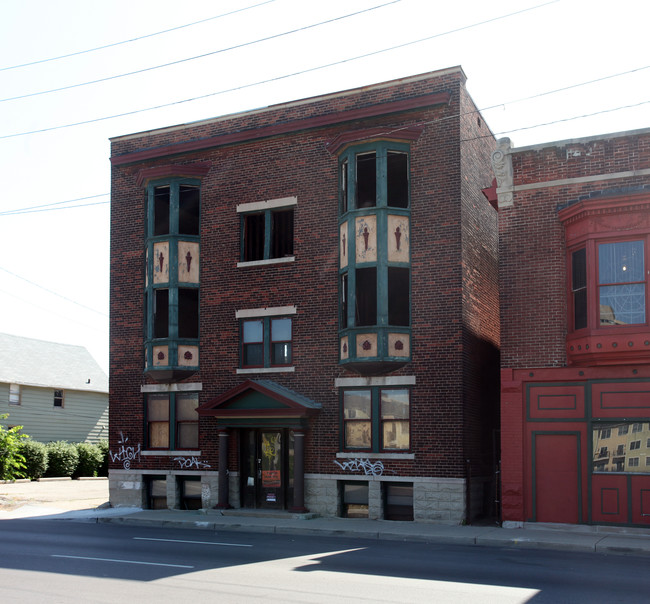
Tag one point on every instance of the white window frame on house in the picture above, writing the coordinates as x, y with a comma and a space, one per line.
266, 209
14, 394
59, 399
266, 316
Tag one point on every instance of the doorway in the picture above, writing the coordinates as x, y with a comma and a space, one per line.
266, 468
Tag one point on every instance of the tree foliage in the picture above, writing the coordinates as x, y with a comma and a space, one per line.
12, 462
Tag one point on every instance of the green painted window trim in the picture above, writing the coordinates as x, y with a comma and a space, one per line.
381, 211
173, 286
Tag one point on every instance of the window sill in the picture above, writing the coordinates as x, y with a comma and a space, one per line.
265, 262
369, 455
266, 370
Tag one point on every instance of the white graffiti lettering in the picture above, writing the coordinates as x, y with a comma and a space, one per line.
191, 462
125, 454
362, 465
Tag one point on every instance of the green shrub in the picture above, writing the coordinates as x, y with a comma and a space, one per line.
12, 463
103, 447
90, 459
63, 458
36, 458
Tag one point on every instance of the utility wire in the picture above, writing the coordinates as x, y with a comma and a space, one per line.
201, 56
277, 78
158, 33
52, 292
46, 206
19, 212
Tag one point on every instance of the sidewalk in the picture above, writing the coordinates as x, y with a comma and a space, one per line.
608, 540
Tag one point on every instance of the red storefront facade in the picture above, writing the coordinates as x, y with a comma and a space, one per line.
574, 223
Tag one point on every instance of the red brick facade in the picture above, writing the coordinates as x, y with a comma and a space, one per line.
568, 386
287, 152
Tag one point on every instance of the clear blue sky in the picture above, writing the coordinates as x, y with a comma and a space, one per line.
54, 264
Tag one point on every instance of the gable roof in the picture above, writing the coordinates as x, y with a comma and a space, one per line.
30, 362
260, 398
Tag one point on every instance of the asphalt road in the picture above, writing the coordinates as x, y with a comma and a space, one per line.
63, 561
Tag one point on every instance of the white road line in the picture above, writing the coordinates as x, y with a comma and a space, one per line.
121, 561
199, 542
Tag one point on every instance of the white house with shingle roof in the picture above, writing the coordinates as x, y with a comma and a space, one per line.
55, 391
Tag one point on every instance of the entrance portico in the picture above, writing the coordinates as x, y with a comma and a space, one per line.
270, 422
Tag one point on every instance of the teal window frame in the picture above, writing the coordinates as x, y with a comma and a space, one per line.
269, 233
376, 420
267, 342
173, 421
173, 286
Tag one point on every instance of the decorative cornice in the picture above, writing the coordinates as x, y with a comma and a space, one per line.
428, 100
407, 133
196, 170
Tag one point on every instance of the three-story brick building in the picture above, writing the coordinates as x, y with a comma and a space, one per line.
304, 307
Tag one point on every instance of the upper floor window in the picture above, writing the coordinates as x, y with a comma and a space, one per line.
58, 398
622, 282
616, 271
266, 342
267, 230
374, 175
266, 339
175, 209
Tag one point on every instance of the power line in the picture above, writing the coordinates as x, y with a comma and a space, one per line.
81, 205
112, 44
201, 56
48, 206
52, 292
277, 78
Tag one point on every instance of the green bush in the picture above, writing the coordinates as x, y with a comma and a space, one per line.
63, 458
36, 458
12, 463
90, 459
103, 447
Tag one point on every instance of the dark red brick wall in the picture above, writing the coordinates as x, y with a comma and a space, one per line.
532, 252
450, 298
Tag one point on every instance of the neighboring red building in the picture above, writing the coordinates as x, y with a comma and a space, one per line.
304, 307
574, 222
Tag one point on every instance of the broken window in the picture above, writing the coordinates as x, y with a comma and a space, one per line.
161, 313
344, 186
398, 296
188, 210
366, 296
267, 235
366, 180
343, 306
161, 203
188, 313
397, 181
